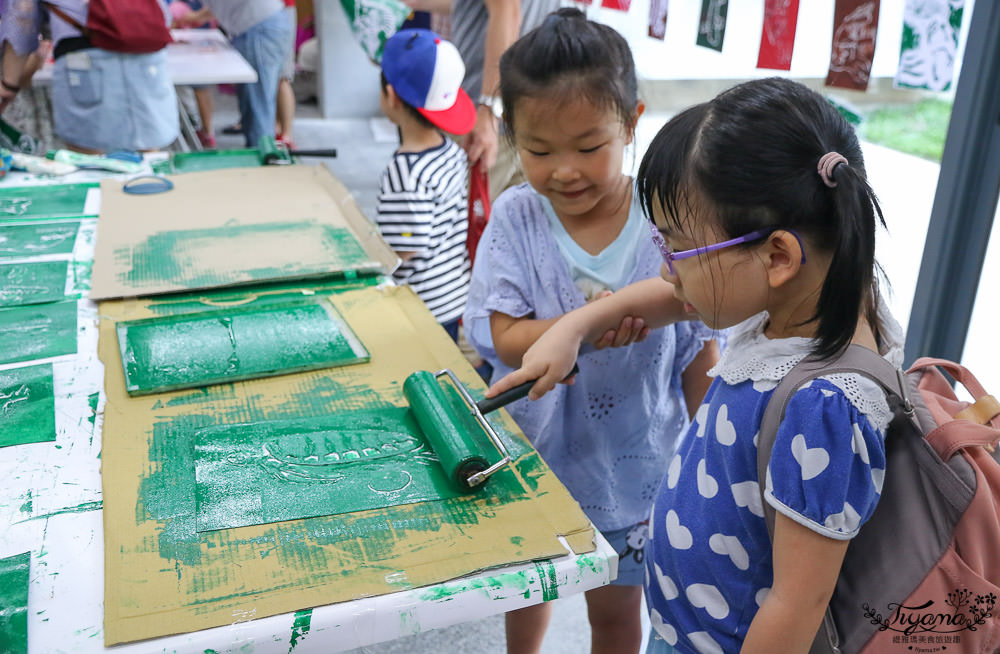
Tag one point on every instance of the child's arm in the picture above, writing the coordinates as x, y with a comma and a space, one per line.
695, 380
806, 566
553, 354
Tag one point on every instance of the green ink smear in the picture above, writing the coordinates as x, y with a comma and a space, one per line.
192, 350
37, 331
35, 239
79, 508
82, 273
303, 621
14, 603
44, 201
189, 258
26, 507
27, 406
32, 283
547, 576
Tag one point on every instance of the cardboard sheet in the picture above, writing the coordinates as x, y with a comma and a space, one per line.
228, 227
162, 576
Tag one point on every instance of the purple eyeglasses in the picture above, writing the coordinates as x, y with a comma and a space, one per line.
669, 256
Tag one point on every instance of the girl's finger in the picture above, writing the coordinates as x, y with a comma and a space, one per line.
507, 382
624, 331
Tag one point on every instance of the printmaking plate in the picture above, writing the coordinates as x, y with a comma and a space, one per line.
32, 282
45, 201
37, 331
191, 162
215, 347
27, 406
34, 239
14, 603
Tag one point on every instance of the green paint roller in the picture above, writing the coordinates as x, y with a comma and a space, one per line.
273, 153
456, 427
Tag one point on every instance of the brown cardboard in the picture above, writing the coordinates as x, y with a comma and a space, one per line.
237, 201
153, 587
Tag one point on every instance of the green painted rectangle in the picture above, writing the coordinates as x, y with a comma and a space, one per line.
44, 201
34, 239
27, 406
14, 580
215, 347
37, 331
189, 162
32, 283
189, 259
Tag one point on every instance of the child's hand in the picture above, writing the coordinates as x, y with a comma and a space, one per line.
549, 360
631, 330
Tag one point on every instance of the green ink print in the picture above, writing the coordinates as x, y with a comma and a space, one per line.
303, 621
32, 283
27, 407
188, 258
547, 576
30, 240
26, 507
193, 350
37, 331
79, 508
14, 580
44, 201
189, 162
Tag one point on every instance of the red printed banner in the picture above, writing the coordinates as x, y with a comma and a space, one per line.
619, 5
584, 2
778, 36
658, 19
855, 26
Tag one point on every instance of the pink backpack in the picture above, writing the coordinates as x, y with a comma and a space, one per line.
923, 574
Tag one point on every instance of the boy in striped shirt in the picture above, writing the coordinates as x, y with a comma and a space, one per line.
423, 196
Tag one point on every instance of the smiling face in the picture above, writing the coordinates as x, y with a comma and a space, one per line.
723, 287
571, 152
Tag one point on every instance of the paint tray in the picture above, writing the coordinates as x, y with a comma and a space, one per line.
200, 349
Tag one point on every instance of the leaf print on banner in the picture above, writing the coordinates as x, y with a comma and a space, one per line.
725, 431
678, 535
812, 460
708, 597
707, 486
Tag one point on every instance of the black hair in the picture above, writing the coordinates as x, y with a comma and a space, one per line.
421, 119
749, 159
569, 56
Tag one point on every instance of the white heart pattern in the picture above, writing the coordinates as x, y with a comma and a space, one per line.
674, 471
667, 585
678, 535
812, 460
761, 596
701, 416
666, 631
878, 477
708, 597
707, 486
845, 522
725, 431
704, 643
747, 494
858, 445
730, 546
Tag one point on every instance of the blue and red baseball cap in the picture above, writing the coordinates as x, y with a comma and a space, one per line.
427, 72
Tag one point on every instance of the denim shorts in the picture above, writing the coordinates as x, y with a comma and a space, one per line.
265, 46
630, 544
106, 101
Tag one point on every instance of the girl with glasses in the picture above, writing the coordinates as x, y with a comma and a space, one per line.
759, 204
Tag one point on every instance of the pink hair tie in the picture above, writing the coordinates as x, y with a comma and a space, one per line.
826, 164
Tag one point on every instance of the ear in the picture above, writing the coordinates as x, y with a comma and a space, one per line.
783, 257
640, 107
391, 97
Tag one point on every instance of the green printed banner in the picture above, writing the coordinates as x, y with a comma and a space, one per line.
213, 347
32, 283
712, 24
37, 331
929, 44
27, 406
373, 22
14, 580
31, 240
45, 201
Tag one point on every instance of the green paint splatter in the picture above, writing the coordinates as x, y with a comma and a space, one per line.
44, 201
92, 401
37, 331
79, 508
27, 405
212, 347
188, 258
547, 576
301, 626
26, 507
32, 283
14, 580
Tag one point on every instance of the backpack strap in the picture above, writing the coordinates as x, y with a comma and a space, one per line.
67, 18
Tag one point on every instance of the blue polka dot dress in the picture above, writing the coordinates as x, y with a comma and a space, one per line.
708, 563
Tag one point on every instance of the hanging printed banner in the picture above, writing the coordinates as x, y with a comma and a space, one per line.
855, 26
584, 2
712, 26
778, 36
658, 19
374, 21
619, 5
930, 43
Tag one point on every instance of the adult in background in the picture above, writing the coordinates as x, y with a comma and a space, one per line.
262, 32
101, 100
482, 30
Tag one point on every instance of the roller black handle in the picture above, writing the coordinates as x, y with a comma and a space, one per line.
512, 394
329, 152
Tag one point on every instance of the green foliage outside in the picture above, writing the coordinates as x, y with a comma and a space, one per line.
917, 129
